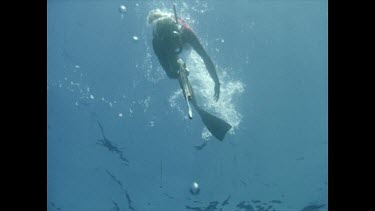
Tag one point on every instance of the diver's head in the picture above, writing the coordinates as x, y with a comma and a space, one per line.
155, 14
167, 30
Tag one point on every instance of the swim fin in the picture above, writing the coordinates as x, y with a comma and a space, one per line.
217, 127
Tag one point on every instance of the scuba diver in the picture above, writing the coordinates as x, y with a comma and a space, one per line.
170, 35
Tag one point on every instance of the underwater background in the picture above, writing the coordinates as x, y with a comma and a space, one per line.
118, 136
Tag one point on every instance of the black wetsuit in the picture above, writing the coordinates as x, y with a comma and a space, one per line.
167, 55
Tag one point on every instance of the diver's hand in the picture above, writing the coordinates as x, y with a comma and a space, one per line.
217, 91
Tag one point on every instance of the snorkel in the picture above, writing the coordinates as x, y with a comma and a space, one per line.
175, 33
175, 13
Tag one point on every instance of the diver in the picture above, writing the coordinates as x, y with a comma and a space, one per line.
169, 38
170, 35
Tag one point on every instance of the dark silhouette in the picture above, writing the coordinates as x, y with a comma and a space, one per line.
313, 207
117, 208
226, 201
200, 147
123, 189
54, 206
276, 201
212, 206
105, 142
169, 196
129, 201
116, 180
247, 207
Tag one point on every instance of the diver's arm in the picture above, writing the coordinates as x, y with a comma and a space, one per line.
162, 57
194, 42
168, 61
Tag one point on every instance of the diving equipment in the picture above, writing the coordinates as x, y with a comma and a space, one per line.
185, 85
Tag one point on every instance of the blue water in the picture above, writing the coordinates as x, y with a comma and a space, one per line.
271, 57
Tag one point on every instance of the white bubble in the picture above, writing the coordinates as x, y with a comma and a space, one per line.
120, 115
92, 96
195, 185
194, 188
110, 104
206, 134
77, 66
122, 9
135, 38
222, 40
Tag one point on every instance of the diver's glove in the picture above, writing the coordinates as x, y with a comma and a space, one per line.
181, 63
183, 66
217, 91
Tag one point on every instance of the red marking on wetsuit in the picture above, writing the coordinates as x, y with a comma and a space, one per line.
184, 24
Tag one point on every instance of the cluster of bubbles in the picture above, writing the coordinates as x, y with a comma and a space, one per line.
204, 91
75, 83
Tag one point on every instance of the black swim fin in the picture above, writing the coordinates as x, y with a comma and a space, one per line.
217, 127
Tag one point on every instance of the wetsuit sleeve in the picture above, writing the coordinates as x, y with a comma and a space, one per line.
192, 39
162, 57
167, 61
